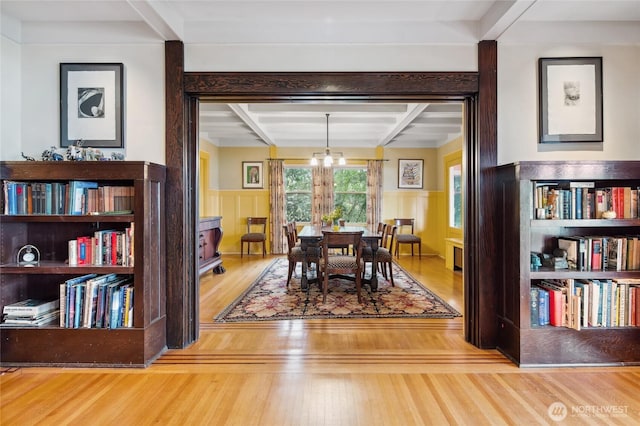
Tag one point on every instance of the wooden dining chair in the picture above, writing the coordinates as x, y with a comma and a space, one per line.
405, 235
295, 254
383, 259
338, 263
256, 233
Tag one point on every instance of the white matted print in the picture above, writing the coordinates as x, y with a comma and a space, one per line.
570, 99
91, 103
252, 174
410, 173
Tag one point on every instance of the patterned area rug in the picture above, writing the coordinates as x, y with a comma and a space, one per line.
269, 298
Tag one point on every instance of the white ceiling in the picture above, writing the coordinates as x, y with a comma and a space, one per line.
327, 22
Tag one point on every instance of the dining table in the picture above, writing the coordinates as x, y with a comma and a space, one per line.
311, 236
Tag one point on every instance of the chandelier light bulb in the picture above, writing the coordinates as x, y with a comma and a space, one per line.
328, 160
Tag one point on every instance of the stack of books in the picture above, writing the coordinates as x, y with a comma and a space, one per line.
31, 313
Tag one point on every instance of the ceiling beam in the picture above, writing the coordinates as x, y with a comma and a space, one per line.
245, 116
166, 23
500, 16
404, 122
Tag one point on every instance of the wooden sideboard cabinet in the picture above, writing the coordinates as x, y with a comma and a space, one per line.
209, 237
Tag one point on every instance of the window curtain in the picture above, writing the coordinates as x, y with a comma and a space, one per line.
374, 193
277, 209
322, 192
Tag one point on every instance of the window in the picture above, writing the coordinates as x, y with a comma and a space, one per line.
455, 196
350, 193
454, 181
297, 187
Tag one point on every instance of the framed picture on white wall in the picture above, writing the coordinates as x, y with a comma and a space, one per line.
570, 99
91, 105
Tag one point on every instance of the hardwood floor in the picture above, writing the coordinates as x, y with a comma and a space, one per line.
323, 372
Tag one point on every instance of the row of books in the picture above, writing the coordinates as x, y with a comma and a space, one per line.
73, 197
598, 253
30, 313
97, 301
582, 200
104, 247
581, 304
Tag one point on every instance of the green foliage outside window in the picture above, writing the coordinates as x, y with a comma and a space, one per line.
297, 183
457, 201
350, 193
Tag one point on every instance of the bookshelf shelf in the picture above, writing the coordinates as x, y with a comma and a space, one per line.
584, 223
46, 218
549, 273
520, 234
136, 345
61, 268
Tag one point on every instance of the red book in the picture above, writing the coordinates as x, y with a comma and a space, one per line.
556, 305
114, 248
620, 209
596, 254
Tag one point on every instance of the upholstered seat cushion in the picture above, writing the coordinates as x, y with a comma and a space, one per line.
254, 237
342, 262
407, 238
383, 255
296, 255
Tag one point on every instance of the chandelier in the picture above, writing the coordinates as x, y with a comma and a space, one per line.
327, 161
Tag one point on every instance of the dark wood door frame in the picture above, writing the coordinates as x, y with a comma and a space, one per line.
184, 90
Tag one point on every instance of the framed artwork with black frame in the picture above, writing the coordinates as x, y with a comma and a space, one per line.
570, 99
92, 105
252, 174
410, 173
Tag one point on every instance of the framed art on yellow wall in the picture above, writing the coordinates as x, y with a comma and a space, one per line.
252, 174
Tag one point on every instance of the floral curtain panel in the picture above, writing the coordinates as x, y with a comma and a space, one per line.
374, 192
277, 201
322, 192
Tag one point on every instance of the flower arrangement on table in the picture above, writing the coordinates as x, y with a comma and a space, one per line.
333, 217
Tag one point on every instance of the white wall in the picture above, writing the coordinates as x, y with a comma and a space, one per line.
338, 57
30, 84
40, 94
11, 100
518, 103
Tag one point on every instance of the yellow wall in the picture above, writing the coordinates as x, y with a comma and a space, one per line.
426, 208
225, 196
235, 207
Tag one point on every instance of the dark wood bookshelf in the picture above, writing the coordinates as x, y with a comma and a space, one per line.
520, 234
57, 346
